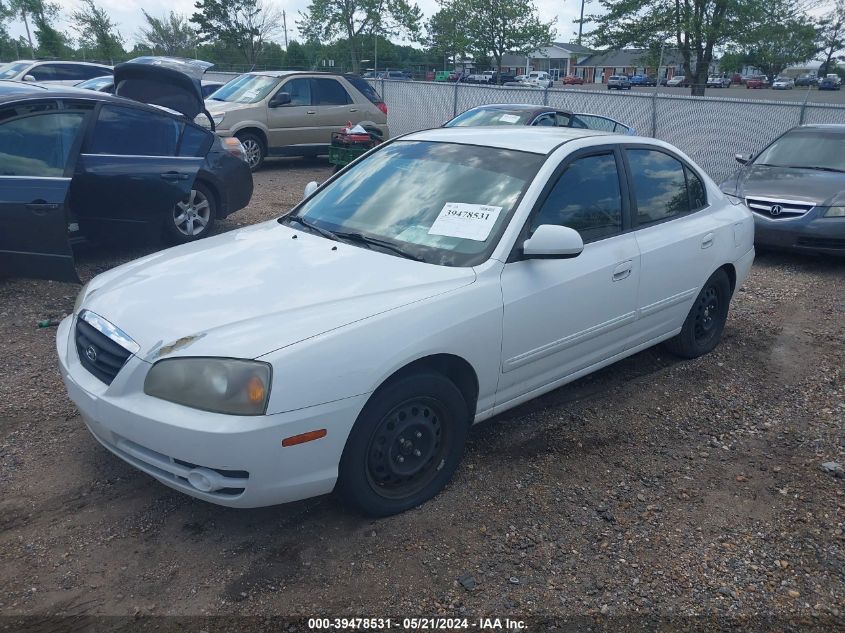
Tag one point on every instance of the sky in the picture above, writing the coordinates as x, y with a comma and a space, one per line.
127, 14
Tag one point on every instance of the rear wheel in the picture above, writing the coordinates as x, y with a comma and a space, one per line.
191, 219
405, 445
702, 329
254, 148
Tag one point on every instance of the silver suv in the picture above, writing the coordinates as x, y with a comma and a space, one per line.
287, 113
53, 72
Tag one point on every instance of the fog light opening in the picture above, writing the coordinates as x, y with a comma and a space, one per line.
205, 480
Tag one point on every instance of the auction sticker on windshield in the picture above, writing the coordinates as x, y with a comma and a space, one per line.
466, 221
509, 118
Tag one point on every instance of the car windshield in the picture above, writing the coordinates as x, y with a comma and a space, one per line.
442, 203
96, 83
10, 70
491, 116
245, 89
807, 149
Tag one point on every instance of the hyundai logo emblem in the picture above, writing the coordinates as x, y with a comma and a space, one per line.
776, 209
91, 353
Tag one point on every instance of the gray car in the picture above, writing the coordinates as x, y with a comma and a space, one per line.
796, 189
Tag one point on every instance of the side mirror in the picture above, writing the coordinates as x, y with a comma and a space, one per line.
551, 241
28, 78
743, 159
310, 188
279, 99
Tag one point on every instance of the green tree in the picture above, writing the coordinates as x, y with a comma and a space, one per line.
832, 37
328, 20
776, 34
97, 31
695, 27
244, 25
171, 34
495, 27
445, 35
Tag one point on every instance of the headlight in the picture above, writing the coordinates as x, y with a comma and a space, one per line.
80, 298
221, 385
835, 212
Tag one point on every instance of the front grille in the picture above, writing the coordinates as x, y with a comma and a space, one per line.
777, 209
822, 242
98, 353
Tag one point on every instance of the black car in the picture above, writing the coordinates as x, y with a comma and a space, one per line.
498, 114
806, 80
77, 163
796, 189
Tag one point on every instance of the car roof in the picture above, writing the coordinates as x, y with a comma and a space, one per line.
518, 107
287, 73
36, 91
537, 140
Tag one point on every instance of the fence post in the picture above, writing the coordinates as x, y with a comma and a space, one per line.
654, 115
455, 100
803, 107
546, 96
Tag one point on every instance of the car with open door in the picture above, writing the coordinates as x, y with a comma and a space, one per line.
508, 114
77, 163
442, 278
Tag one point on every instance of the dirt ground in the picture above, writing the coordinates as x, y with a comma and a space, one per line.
685, 494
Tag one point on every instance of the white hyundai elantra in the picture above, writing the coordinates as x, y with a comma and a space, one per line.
441, 279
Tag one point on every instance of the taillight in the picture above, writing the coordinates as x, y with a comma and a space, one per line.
383, 107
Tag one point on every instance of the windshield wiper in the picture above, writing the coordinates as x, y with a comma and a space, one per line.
310, 225
816, 167
373, 241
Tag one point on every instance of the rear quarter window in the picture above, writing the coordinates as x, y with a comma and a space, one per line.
362, 85
195, 141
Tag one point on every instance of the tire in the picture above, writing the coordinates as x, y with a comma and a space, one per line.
256, 150
405, 445
193, 218
702, 329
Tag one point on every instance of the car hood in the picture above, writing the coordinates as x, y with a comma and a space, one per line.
804, 185
248, 292
215, 106
169, 82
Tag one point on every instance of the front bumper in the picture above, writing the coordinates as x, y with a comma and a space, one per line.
243, 455
808, 233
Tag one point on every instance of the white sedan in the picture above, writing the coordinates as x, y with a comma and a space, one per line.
443, 278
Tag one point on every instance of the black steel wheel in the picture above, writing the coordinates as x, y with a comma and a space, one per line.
405, 445
702, 329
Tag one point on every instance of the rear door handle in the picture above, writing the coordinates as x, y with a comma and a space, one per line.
707, 241
353, 109
623, 270
174, 175
310, 112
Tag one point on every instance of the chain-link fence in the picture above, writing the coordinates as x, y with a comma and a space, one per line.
709, 129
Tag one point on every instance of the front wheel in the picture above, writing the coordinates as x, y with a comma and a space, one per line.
254, 149
405, 445
702, 329
191, 219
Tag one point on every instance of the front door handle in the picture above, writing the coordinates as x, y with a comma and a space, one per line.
623, 270
40, 207
310, 112
174, 175
707, 241
353, 109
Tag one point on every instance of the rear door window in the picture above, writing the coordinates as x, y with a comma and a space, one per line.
659, 185
195, 141
38, 144
329, 92
130, 132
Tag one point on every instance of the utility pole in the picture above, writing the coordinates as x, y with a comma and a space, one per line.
581, 22
28, 36
285, 23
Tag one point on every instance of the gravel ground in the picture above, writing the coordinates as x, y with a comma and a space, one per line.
654, 494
